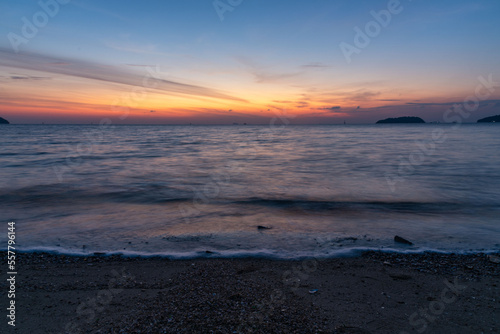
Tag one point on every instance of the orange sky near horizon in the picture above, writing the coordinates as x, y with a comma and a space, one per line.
38, 95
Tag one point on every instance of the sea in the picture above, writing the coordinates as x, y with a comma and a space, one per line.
275, 191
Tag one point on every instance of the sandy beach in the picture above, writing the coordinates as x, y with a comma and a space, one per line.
373, 293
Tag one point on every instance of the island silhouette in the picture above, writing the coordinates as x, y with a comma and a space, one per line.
3, 121
401, 120
491, 119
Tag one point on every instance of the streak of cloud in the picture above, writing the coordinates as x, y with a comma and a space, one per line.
314, 65
27, 77
429, 104
105, 73
262, 74
331, 108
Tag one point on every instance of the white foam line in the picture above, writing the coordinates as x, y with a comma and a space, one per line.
263, 253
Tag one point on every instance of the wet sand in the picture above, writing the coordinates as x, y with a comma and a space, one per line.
373, 293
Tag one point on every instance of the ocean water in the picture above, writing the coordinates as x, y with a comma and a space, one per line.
202, 191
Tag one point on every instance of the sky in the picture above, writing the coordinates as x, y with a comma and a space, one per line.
227, 61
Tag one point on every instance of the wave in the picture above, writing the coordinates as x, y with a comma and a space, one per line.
260, 254
323, 205
154, 194
62, 193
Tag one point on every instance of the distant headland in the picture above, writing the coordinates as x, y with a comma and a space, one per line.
4, 121
401, 120
491, 119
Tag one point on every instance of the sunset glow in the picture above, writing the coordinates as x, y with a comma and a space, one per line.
177, 62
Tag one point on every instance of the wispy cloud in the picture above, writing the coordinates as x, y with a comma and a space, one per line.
27, 77
138, 65
150, 49
428, 104
47, 103
332, 109
314, 65
263, 74
101, 72
363, 95
302, 104
431, 104
345, 96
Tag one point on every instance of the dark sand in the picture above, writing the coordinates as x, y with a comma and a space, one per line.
375, 293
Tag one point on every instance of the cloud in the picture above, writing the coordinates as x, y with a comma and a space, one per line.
302, 104
261, 74
347, 96
27, 77
314, 65
432, 104
336, 108
105, 73
298, 104
267, 77
138, 65
46, 103
363, 95
428, 104
326, 111
150, 49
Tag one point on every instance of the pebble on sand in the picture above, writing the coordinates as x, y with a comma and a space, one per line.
402, 240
